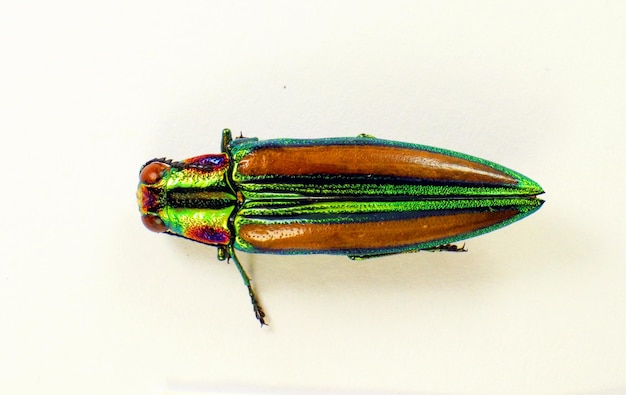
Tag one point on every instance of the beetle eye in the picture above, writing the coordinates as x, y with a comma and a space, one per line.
153, 172
154, 223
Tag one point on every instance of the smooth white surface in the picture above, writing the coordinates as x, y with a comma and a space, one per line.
91, 302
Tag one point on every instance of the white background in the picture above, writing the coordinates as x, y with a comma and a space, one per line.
93, 303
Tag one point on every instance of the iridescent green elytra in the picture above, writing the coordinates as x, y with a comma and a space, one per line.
361, 197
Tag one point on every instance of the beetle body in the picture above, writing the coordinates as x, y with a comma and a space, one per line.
361, 197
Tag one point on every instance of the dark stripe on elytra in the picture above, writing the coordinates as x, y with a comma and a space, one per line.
346, 195
372, 216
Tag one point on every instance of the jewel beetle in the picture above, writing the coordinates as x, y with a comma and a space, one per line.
362, 197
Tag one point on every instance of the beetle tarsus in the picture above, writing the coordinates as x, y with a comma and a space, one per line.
446, 247
258, 310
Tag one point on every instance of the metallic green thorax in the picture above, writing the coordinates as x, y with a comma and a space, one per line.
191, 198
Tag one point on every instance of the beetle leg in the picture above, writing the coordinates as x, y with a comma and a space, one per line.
446, 247
258, 310
443, 247
382, 254
227, 138
366, 136
222, 253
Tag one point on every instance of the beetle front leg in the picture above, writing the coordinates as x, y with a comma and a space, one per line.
258, 310
227, 138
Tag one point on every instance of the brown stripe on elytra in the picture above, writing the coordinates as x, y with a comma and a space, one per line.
368, 235
366, 160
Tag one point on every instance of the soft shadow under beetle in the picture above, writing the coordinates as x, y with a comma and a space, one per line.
362, 197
